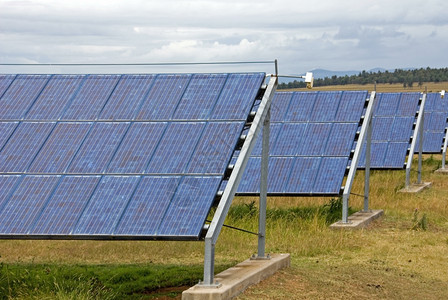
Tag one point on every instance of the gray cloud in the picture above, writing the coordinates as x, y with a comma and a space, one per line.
339, 35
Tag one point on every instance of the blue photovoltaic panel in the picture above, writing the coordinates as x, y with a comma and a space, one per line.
60, 148
117, 156
7, 184
23, 146
6, 129
436, 114
5, 81
312, 136
188, 209
148, 206
137, 148
200, 97
53, 100
107, 204
289, 139
164, 97
127, 97
238, 90
300, 107
98, 148
175, 148
91, 97
20, 95
340, 140
25, 204
211, 155
65, 205
392, 128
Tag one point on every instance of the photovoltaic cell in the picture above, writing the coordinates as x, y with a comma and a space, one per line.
217, 141
279, 106
291, 135
91, 97
55, 97
175, 148
127, 97
7, 184
340, 140
102, 213
60, 148
164, 97
147, 207
316, 138
326, 106
23, 146
98, 148
200, 97
189, 207
25, 204
137, 148
20, 95
238, 90
331, 174
300, 107
5, 81
6, 129
303, 175
65, 205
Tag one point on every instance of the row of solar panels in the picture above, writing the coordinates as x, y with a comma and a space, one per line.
90, 155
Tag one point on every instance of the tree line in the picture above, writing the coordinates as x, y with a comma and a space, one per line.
406, 77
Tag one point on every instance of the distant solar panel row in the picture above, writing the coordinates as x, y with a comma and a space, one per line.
436, 114
392, 128
312, 136
117, 156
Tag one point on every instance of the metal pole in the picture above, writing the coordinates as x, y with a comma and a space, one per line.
420, 150
445, 144
418, 127
263, 187
355, 159
233, 182
367, 169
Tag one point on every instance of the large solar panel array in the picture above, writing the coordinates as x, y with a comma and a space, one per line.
393, 121
311, 138
117, 156
436, 114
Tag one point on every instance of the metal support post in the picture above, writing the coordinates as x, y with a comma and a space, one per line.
418, 132
263, 187
420, 150
354, 165
367, 169
232, 184
445, 144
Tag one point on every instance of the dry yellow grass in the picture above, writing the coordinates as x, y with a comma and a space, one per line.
383, 88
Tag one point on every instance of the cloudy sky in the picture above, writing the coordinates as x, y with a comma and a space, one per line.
302, 35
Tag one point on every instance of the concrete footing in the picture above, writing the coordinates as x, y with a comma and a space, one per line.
359, 219
235, 280
442, 171
416, 187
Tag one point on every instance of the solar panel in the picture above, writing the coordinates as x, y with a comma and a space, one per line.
5, 81
117, 156
20, 95
312, 136
392, 128
436, 117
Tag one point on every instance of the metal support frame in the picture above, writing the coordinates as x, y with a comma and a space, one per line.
418, 132
233, 182
445, 144
364, 135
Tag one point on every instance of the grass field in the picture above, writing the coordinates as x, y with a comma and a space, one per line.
383, 88
401, 256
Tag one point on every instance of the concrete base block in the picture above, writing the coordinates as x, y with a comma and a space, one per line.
416, 187
359, 219
235, 280
442, 171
